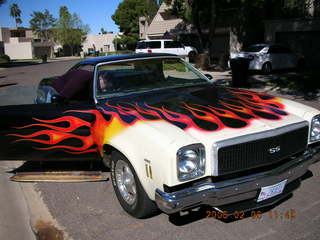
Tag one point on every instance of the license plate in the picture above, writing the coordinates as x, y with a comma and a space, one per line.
271, 191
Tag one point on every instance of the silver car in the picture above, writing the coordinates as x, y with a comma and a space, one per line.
268, 57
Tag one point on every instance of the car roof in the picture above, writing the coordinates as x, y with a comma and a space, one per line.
96, 60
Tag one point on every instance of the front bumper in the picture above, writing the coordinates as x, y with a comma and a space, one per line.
243, 189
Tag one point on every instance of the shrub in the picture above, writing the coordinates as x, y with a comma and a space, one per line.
306, 83
119, 52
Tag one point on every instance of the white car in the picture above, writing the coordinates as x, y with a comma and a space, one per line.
166, 46
268, 57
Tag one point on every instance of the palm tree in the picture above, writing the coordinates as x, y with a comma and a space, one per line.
2, 2
15, 12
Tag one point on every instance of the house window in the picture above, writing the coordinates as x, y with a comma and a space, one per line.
106, 48
18, 33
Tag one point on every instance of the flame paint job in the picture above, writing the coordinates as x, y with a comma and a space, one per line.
235, 111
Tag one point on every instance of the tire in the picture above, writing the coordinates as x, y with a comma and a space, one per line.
266, 68
192, 56
130, 193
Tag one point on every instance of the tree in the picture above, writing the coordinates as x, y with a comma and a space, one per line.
127, 17
2, 2
15, 12
102, 31
69, 29
152, 8
42, 23
198, 13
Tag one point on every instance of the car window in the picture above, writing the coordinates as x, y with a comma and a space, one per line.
75, 85
141, 45
172, 44
86, 67
153, 44
274, 49
145, 75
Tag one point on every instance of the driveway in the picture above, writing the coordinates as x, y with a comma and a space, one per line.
91, 211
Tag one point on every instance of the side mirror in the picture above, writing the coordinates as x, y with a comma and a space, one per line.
209, 76
58, 100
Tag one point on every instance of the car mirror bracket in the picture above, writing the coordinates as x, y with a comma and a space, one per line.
59, 100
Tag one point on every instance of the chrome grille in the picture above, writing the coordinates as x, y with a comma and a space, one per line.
261, 149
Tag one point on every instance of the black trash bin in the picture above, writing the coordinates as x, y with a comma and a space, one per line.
44, 58
240, 68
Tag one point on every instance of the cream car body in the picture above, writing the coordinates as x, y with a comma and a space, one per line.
172, 138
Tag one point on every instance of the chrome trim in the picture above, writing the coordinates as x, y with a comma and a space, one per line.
310, 129
233, 190
198, 147
251, 137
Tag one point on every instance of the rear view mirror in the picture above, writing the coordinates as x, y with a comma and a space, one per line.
209, 76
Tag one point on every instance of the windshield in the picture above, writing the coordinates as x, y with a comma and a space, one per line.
145, 75
253, 48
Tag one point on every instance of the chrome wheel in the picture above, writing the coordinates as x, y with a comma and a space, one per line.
125, 182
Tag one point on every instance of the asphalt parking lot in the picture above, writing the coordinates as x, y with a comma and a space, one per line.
91, 211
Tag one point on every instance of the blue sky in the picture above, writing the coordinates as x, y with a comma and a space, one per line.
95, 13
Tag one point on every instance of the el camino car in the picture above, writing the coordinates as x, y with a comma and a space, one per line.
172, 138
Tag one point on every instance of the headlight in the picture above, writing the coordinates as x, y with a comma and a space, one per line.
315, 129
191, 162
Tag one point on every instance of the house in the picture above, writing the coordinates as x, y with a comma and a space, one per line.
21, 43
301, 34
160, 26
165, 25
99, 42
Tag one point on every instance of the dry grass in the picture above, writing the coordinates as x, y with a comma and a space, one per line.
47, 231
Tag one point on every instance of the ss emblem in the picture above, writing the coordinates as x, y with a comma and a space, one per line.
274, 149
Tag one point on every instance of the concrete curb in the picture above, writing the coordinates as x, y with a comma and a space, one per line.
40, 215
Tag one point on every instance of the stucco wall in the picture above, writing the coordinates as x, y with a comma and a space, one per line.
101, 41
4, 34
19, 50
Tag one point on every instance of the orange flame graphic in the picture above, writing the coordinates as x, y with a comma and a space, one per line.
235, 112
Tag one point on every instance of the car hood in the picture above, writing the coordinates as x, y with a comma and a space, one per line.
206, 113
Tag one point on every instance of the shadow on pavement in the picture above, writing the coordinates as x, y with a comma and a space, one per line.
18, 64
35, 166
8, 84
209, 213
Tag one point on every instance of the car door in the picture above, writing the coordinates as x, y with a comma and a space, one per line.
174, 47
275, 57
47, 131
